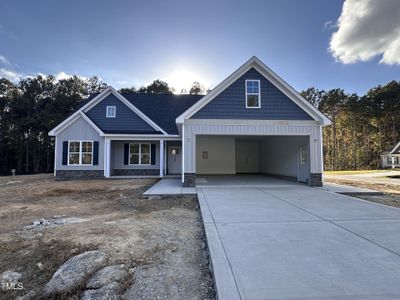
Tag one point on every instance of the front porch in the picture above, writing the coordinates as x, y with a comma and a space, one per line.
132, 157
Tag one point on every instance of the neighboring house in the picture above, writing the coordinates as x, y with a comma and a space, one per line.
391, 158
252, 122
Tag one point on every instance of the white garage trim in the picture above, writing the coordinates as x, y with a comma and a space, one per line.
312, 131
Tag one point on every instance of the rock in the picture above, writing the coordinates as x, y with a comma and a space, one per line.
107, 275
107, 292
28, 296
59, 222
10, 276
40, 266
131, 271
74, 271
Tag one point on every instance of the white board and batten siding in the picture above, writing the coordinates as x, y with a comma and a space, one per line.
79, 130
312, 130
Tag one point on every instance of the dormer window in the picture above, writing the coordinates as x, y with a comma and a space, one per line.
111, 111
253, 93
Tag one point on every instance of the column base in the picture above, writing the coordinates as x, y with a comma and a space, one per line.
315, 179
190, 180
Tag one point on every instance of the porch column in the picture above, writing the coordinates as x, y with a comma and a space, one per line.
161, 158
107, 157
393, 162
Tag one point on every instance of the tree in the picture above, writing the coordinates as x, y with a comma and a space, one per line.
156, 87
127, 90
196, 89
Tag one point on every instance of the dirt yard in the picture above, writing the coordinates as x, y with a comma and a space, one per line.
161, 238
382, 181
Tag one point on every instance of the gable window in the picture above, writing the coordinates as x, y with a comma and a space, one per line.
80, 152
253, 94
111, 111
139, 154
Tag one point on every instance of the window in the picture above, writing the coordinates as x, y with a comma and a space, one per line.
73, 156
111, 111
253, 94
389, 160
80, 153
139, 154
303, 155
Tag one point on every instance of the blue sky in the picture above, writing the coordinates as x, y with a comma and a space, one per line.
129, 43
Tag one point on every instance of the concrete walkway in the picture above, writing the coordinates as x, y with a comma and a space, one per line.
289, 241
169, 186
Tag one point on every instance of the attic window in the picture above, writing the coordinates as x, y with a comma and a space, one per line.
111, 111
253, 94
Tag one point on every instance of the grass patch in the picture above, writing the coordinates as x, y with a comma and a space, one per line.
354, 172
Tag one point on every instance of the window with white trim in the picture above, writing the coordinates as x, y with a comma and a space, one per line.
80, 152
253, 94
111, 111
139, 154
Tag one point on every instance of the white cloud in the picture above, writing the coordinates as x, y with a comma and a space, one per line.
62, 75
366, 29
330, 25
10, 75
4, 61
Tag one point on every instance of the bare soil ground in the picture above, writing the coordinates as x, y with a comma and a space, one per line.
391, 192
162, 238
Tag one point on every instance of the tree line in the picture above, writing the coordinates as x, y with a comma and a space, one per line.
362, 126
30, 108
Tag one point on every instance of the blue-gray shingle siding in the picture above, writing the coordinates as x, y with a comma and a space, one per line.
125, 121
231, 103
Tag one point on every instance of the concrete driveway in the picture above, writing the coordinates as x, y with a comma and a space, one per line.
289, 241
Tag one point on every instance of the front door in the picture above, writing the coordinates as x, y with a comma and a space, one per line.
303, 164
174, 160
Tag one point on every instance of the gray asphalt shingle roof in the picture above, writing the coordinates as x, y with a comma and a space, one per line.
162, 109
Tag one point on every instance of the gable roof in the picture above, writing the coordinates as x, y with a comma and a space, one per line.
257, 64
160, 109
92, 101
396, 149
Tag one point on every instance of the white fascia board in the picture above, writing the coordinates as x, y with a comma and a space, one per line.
213, 93
254, 62
394, 148
252, 122
73, 117
91, 123
154, 137
137, 111
109, 90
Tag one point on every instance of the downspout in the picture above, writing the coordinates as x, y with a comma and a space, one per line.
183, 152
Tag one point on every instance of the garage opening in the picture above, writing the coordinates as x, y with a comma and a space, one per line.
282, 156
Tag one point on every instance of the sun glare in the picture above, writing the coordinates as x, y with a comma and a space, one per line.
182, 80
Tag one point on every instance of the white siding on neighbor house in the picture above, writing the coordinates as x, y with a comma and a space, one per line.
279, 155
78, 130
386, 165
221, 155
312, 132
117, 154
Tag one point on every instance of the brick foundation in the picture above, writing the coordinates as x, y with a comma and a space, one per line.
79, 174
136, 172
190, 180
315, 179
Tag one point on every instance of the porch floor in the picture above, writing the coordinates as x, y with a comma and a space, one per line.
169, 186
